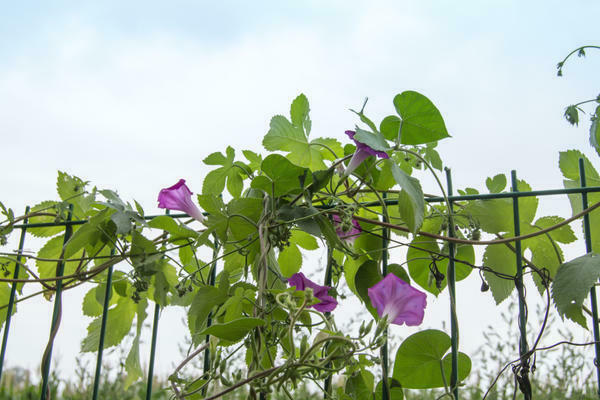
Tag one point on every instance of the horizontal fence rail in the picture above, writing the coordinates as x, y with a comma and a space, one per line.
450, 200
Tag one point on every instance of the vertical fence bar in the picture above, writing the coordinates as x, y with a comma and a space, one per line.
107, 293
451, 277
385, 394
327, 282
152, 352
153, 344
588, 248
523, 346
60, 270
13, 290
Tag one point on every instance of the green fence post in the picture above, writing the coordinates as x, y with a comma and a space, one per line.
152, 352
385, 394
588, 248
13, 290
56, 314
523, 346
327, 282
107, 294
451, 277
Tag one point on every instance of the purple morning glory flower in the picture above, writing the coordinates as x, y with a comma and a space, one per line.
400, 302
348, 234
301, 282
179, 197
362, 152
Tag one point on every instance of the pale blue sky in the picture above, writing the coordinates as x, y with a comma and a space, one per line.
133, 95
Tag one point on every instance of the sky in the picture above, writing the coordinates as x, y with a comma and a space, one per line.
133, 96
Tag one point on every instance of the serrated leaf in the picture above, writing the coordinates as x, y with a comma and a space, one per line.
501, 259
573, 282
569, 166
304, 240
214, 182
421, 120
52, 250
118, 324
595, 131
91, 306
90, 233
496, 184
421, 361
564, 234
205, 299
4, 299
299, 111
46, 231
420, 255
284, 136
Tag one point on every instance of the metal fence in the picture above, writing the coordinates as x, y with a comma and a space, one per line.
514, 194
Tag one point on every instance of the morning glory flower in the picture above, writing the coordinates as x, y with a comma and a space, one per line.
398, 301
346, 232
179, 197
362, 152
301, 282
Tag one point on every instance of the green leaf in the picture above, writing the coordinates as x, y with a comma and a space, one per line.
132, 362
494, 216
72, 189
421, 359
284, 136
573, 282
234, 330
367, 276
395, 393
91, 233
564, 234
214, 182
501, 259
52, 250
168, 224
421, 120
595, 131
569, 166
299, 111
92, 306
332, 145
206, 298
284, 177
45, 231
290, 260
4, 299
360, 386
254, 159
376, 141
390, 127
304, 240
411, 202
399, 271
496, 184
419, 259
118, 324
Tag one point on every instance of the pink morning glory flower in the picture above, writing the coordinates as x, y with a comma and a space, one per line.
346, 233
179, 197
301, 282
362, 152
400, 302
